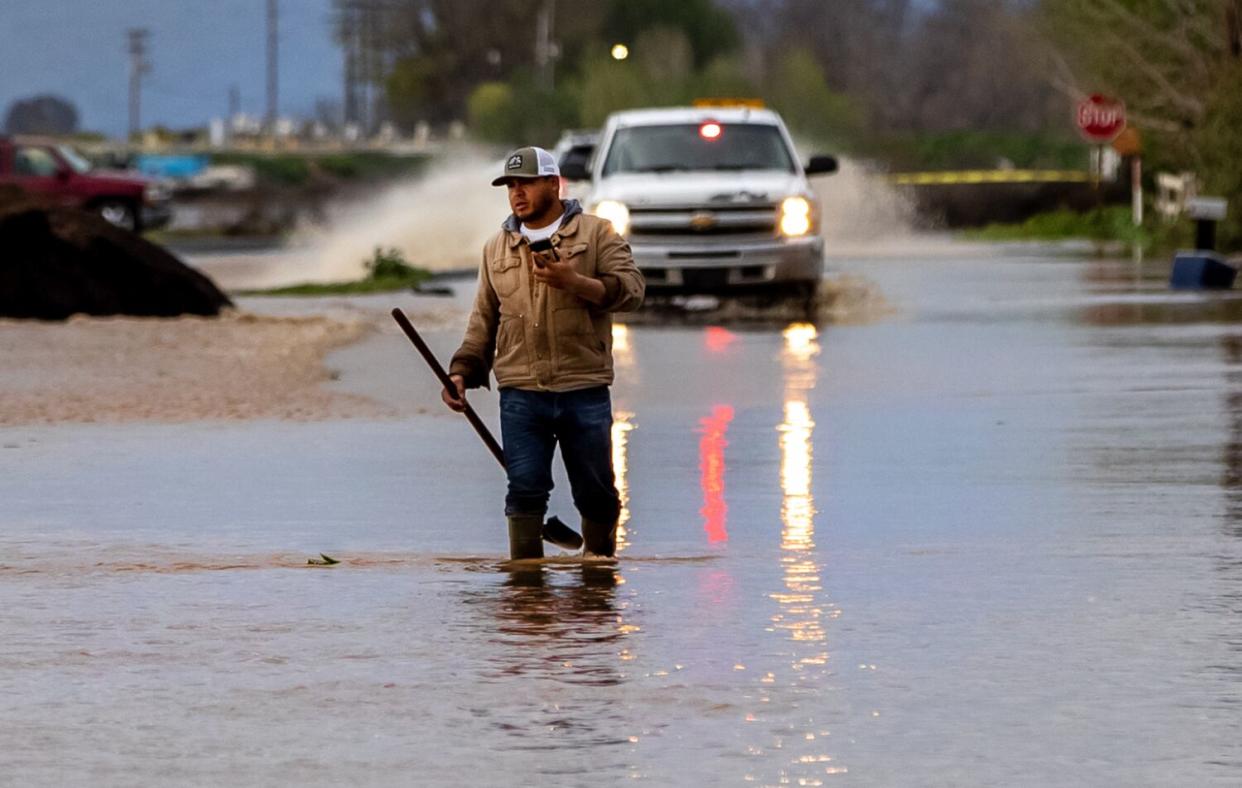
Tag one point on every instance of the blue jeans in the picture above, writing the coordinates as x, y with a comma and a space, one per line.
531, 424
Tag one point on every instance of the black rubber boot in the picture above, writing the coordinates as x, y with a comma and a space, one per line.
561, 535
525, 536
600, 539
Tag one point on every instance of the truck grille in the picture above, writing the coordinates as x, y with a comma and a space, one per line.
722, 224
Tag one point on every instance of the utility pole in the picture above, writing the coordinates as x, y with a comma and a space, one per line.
230, 117
138, 65
372, 47
544, 53
349, 35
361, 29
353, 32
273, 13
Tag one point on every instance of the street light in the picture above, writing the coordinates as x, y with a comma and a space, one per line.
620, 51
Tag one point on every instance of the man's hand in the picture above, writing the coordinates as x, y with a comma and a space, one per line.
456, 401
563, 276
553, 273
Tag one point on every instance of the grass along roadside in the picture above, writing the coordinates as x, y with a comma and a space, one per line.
1107, 225
296, 169
387, 271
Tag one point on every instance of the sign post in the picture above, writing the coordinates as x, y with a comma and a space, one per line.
1130, 144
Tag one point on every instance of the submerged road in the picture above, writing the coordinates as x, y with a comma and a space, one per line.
993, 539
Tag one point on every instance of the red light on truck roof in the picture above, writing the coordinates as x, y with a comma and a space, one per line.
710, 130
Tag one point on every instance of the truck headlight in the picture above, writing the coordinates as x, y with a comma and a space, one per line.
795, 216
615, 212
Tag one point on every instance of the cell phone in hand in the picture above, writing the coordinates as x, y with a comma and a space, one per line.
543, 246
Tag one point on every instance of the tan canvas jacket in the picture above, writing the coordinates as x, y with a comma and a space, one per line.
537, 337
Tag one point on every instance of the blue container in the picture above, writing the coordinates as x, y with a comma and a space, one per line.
170, 166
1200, 270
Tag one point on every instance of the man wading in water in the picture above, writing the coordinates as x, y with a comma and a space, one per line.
541, 322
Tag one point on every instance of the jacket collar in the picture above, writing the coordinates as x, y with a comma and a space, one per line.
569, 222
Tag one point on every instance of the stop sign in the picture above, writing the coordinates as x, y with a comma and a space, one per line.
1100, 118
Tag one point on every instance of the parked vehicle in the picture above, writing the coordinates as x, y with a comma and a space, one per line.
712, 199
574, 150
56, 171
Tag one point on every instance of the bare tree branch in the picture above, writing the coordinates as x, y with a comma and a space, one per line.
1171, 93
1153, 35
1064, 81
1145, 121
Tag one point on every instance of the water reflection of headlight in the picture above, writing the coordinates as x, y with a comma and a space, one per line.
620, 337
622, 423
800, 341
801, 609
798, 507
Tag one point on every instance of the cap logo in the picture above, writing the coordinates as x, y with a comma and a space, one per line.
515, 162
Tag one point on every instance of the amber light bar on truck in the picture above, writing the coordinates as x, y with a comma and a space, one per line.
738, 103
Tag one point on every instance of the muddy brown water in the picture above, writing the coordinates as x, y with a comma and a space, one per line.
994, 539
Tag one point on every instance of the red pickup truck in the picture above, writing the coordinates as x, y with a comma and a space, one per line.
57, 171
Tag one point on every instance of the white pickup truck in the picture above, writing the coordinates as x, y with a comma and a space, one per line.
713, 200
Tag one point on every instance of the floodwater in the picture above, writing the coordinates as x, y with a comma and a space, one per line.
995, 539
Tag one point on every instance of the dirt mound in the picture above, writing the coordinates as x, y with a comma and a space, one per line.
56, 262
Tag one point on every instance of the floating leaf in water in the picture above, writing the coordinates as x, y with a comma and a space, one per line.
322, 560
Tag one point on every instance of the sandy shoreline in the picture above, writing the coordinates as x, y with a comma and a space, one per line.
238, 366
266, 360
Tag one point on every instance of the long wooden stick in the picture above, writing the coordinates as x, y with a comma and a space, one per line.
445, 381
554, 530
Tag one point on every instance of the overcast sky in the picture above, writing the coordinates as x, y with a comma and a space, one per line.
198, 48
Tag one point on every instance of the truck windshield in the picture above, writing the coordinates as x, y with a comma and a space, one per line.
673, 148
74, 159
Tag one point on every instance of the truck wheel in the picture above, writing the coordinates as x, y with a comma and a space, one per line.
120, 213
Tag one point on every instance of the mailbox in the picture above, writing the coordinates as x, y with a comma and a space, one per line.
1203, 268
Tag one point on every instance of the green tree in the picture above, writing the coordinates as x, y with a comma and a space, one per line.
710, 30
797, 89
1176, 65
725, 77
429, 55
607, 86
664, 56
41, 115
520, 112
1220, 140
1163, 59
413, 88
492, 112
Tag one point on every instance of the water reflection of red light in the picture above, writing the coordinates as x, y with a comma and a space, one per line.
718, 339
712, 472
715, 588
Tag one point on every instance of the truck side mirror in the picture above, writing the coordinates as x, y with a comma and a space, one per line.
821, 165
575, 171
